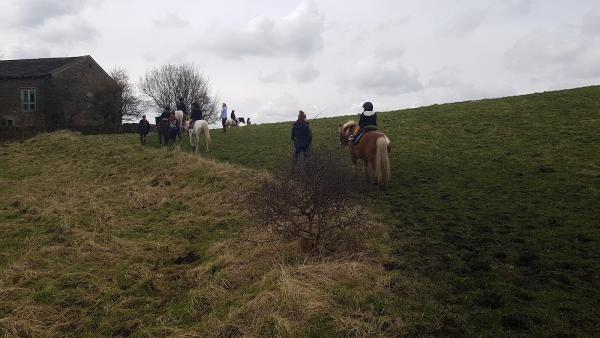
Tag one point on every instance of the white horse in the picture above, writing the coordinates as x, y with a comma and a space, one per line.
231, 123
200, 127
179, 116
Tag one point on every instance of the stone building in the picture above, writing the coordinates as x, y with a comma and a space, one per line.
53, 93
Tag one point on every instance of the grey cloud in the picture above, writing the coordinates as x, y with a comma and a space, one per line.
454, 89
297, 34
516, 7
445, 77
32, 13
66, 31
393, 23
383, 78
389, 51
591, 23
554, 55
283, 108
171, 20
305, 73
464, 22
30, 51
366, 33
278, 76
539, 50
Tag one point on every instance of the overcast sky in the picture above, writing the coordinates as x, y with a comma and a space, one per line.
269, 58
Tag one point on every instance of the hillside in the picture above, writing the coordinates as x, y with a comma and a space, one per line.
490, 229
102, 237
495, 200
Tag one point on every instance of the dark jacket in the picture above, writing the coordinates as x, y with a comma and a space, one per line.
301, 134
233, 115
165, 115
181, 106
366, 120
173, 123
197, 114
144, 126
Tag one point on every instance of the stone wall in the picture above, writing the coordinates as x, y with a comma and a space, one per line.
82, 78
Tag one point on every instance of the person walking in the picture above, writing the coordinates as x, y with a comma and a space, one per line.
302, 136
143, 129
224, 117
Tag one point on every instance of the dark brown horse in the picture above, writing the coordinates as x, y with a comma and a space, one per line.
162, 127
373, 149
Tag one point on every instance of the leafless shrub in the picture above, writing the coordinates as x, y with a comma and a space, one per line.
311, 201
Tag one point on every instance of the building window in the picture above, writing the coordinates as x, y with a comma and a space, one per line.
7, 123
28, 99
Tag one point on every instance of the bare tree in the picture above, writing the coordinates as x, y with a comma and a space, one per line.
130, 105
311, 201
167, 83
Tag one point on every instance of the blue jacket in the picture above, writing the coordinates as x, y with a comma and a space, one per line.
301, 134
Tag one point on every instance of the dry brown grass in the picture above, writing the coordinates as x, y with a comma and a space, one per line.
90, 228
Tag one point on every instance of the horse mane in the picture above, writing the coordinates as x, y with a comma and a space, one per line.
348, 124
345, 127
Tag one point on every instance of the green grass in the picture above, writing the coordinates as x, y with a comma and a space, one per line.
496, 201
100, 236
493, 230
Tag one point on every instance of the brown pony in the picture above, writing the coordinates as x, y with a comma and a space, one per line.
373, 149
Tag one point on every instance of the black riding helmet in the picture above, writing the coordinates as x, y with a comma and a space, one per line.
367, 106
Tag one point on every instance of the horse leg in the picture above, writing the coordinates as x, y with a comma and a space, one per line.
354, 160
371, 172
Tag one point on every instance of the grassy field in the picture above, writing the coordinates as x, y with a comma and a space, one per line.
492, 229
496, 201
100, 237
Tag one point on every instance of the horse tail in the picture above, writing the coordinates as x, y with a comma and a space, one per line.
382, 162
206, 134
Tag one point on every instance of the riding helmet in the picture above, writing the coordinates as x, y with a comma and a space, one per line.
367, 106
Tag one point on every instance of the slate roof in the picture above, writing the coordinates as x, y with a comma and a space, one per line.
33, 68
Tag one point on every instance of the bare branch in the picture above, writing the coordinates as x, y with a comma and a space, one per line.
166, 84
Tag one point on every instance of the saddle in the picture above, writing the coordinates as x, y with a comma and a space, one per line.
363, 131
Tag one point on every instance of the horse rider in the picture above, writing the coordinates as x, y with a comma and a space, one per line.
181, 106
224, 117
366, 122
301, 135
233, 118
196, 114
165, 114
